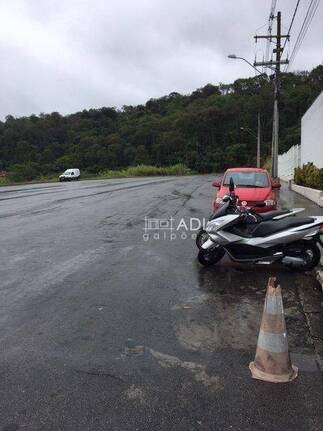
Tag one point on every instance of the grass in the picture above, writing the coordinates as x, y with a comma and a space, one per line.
4, 181
146, 171
132, 171
7, 182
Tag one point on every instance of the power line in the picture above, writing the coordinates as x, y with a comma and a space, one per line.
291, 23
306, 23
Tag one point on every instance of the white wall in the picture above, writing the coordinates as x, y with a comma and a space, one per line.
311, 148
288, 161
312, 134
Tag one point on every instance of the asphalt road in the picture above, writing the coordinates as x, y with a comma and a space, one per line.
103, 328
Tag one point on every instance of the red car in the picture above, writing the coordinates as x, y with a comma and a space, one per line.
253, 185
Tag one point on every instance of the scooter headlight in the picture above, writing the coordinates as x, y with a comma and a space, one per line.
219, 201
270, 203
211, 230
213, 225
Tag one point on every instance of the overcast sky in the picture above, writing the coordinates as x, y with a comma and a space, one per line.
76, 54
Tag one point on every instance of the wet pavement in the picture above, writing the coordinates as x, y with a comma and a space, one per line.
105, 326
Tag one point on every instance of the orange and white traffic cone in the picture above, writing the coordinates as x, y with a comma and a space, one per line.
272, 362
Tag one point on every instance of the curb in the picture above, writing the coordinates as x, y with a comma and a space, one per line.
313, 195
319, 277
314, 319
312, 306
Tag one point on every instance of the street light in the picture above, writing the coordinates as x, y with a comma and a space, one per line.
235, 57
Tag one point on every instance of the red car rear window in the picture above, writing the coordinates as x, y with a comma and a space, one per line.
247, 179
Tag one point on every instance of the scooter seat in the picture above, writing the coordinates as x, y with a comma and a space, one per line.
267, 228
271, 214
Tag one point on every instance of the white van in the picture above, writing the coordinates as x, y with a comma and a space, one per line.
70, 175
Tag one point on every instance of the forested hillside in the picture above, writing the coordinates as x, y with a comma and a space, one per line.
201, 130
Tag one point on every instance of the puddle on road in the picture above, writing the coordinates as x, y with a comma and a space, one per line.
221, 321
228, 311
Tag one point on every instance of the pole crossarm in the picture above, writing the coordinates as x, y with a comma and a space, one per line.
270, 63
272, 36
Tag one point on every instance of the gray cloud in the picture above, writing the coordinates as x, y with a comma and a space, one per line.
67, 56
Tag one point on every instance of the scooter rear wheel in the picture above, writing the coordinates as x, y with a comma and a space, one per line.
310, 253
210, 257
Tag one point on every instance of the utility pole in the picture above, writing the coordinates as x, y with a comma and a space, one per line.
258, 142
274, 168
278, 50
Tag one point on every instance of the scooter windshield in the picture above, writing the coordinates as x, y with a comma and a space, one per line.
221, 211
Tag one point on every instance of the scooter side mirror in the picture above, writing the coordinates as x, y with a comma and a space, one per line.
276, 186
231, 186
216, 184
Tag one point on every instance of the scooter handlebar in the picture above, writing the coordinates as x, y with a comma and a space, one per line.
260, 205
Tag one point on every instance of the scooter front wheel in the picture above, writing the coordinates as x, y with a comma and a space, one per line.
210, 257
201, 237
